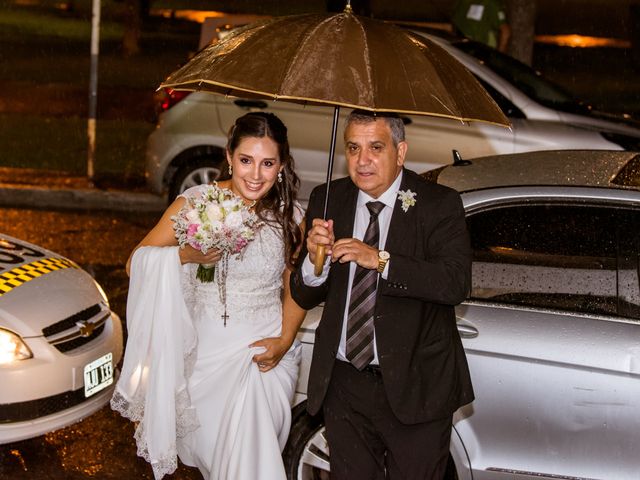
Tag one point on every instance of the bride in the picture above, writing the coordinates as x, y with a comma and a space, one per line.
218, 395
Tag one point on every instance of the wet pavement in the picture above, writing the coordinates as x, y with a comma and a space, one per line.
101, 446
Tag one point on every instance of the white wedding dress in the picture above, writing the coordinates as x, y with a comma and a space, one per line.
191, 381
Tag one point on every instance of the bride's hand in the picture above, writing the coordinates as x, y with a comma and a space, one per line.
276, 347
188, 254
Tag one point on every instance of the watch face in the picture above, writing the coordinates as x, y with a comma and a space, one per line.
383, 255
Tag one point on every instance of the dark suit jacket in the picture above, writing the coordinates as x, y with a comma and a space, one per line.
423, 364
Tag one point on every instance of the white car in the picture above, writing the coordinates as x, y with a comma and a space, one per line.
551, 329
59, 342
187, 147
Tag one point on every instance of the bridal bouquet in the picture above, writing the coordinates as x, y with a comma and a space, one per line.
218, 219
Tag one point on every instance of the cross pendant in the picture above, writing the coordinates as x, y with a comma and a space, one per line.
224, 317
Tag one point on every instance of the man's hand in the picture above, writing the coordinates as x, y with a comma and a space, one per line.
321, 233
188, 254
354, 250
275, 349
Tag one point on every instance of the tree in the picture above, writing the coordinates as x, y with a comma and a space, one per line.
634, 15
521, 15
136, 11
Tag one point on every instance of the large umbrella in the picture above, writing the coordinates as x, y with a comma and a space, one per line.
341, 60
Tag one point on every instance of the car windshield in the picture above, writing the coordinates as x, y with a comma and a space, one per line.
523, 77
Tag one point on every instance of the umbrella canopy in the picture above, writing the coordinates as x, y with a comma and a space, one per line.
341, 60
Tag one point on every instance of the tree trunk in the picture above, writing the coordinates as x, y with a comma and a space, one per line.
521, 15
634, 14
132, 28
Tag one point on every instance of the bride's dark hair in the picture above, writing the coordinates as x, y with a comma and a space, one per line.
280, 199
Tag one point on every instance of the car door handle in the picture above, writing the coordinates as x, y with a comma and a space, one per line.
244, 103
467, 331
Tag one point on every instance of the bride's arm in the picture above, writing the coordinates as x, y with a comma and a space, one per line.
163, 235
292, 313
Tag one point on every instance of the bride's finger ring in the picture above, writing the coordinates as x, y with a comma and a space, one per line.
260, 364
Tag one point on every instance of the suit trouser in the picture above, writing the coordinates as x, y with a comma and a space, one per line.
367, 441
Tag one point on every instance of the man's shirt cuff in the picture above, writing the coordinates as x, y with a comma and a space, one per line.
309, 277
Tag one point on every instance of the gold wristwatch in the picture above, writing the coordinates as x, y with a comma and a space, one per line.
383, 258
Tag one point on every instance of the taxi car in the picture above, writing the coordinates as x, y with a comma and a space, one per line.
59, 342
551, 328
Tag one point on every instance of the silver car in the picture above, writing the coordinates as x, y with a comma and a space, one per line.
187, 147
551, 328
59, 342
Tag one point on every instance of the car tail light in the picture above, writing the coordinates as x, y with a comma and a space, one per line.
168, 97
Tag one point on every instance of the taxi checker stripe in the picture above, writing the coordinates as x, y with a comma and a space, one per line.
25, 273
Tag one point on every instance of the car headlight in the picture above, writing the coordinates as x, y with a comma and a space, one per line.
12, 348
627, 142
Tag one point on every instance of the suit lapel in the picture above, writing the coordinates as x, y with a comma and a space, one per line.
342, 208
402, 229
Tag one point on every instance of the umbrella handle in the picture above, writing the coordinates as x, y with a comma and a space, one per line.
319, 263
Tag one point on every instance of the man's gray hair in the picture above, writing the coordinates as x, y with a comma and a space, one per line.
395, 123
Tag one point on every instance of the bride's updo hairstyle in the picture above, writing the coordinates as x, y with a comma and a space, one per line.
279, 202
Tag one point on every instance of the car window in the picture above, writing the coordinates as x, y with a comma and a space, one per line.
523, 77
507, 107
553, 256
629, 265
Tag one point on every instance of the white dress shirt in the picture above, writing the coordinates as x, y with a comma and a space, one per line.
389, 198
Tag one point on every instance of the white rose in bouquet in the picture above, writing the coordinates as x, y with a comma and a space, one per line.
193, 216
216, 226
229, 204
214, 213
234, 219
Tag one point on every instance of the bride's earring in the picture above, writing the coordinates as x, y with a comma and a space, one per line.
230, 170
280, 177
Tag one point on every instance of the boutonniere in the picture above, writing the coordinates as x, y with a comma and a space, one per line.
408, 199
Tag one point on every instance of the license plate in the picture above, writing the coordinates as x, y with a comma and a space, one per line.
98, 375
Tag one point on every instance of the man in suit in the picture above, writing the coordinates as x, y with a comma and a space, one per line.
388, 366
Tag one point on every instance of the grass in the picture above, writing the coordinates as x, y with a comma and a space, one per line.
44, 75
54, 46
36, 141
54, 144
45, 24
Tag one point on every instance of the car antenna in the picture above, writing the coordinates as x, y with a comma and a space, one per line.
457, 159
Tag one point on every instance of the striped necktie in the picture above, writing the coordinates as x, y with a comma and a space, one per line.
359, 349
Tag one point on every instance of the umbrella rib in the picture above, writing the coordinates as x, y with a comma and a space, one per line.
305, 40
367, 60
444, 105
413, 97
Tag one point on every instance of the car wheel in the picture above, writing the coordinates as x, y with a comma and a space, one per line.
197, 172
306, 455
